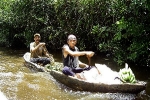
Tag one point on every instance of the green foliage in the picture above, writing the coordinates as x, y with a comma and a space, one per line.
5, 22
131, 40
55, 66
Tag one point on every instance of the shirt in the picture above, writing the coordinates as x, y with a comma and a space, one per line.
71, 61
38, 53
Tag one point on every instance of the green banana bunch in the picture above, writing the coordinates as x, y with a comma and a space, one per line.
126, 75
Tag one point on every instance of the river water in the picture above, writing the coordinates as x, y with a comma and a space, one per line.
17, 82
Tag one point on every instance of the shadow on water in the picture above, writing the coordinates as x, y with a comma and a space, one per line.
19, 83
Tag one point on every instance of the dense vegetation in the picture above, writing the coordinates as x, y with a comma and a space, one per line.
118, 27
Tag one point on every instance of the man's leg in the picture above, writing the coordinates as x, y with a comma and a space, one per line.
67, 71
34, 60
78, 70
79, 73
44, 60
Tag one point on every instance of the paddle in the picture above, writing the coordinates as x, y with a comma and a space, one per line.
50, 56
89, 59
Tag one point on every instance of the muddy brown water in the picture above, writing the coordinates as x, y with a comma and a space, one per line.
17, 82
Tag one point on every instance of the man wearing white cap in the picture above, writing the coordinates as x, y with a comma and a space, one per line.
39, 53
70, 53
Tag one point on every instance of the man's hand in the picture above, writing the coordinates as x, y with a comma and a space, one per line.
89, 53
42, 44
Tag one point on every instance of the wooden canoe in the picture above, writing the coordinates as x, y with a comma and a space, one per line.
82, 85
31, 65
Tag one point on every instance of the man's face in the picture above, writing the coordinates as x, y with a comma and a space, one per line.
37, 39
72, 43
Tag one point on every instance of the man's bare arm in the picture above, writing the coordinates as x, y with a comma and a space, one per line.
33, 49
77, 53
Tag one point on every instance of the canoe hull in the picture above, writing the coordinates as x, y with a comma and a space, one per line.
32, 66
80, 85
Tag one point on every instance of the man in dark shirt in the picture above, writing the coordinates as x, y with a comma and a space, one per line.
70, 53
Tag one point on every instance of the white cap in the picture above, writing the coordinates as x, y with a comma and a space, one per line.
37, 34
72, 37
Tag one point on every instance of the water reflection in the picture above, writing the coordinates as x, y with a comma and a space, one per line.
19, 83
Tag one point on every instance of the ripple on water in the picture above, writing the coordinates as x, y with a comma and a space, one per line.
33, 86
109, 96
9, 82
2, 68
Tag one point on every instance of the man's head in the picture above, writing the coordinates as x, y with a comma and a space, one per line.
37, 37
72, 40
